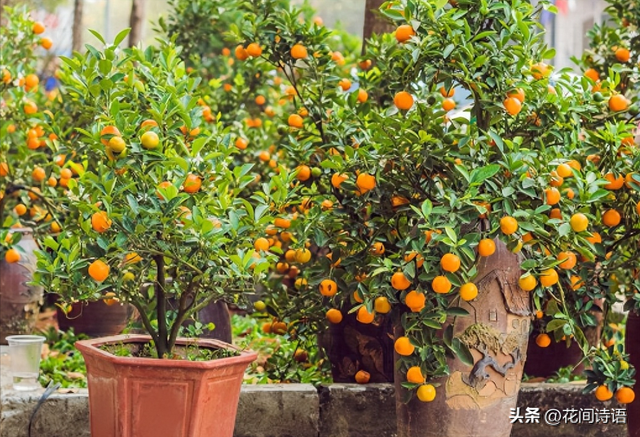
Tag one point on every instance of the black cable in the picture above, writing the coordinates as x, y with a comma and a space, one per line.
48, 392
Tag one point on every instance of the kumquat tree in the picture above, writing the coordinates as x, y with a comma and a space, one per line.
423, 195
159, 203
29, 180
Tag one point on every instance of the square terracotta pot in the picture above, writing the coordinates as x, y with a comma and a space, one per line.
146, 397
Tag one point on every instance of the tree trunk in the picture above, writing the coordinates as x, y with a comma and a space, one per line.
76, 31
374, 22
136, 21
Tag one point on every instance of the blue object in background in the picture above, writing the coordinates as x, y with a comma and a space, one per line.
50, 83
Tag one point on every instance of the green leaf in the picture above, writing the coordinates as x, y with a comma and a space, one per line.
457, 311
121, 36
481, 174
462, 352
98, 36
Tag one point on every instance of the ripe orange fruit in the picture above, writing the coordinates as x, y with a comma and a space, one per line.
131, 258
295, 121
254, 50
569, 258
260, 100
404, 32
298, 51
362, 377
381, 305
611, 218
518, 94
527, 282
108, 130
403, 346
539, 70
543, 340
508, 225
414, 375
334, 316
345, 84
363, 96
552, 196
20, 209
30, 108
603, 393
37, 28
241, 53
448, 104
100, 221
364, 316
241, 143
99, 270
486, 247
279, 328
592, 74
622, 54
615, 183
579, 222
38, 174
31, 80
149, 140
12, 256
564, 171
337, 179
403, 100
450, 262
594, 238
4, 169
377, 249
618, 103
625, 395
426, 393
281, 222
415, 301
261, 244
192, 184
441, 284
303, 173
46, 43
468, 291
399, 281
328, 288
512, 105
365, 182
548, 278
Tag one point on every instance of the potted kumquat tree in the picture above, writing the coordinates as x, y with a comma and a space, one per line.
454, 225
159, 204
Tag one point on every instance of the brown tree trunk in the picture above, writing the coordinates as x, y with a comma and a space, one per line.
374, 22
136, 21
76, 31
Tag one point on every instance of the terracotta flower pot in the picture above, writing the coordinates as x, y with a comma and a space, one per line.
19, 302
146, 397
95, 319
475, 401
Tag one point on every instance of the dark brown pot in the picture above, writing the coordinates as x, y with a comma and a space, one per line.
95, 319
19, 302
218, 314
476, 401
352, 346
145, 397
545, 362
632, 346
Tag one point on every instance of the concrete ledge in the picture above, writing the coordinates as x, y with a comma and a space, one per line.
301, 410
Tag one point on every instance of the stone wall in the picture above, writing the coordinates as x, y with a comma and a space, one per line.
300, 410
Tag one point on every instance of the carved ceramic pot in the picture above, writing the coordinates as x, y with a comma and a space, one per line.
475, 401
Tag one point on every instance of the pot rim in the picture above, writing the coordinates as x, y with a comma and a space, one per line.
92, 347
